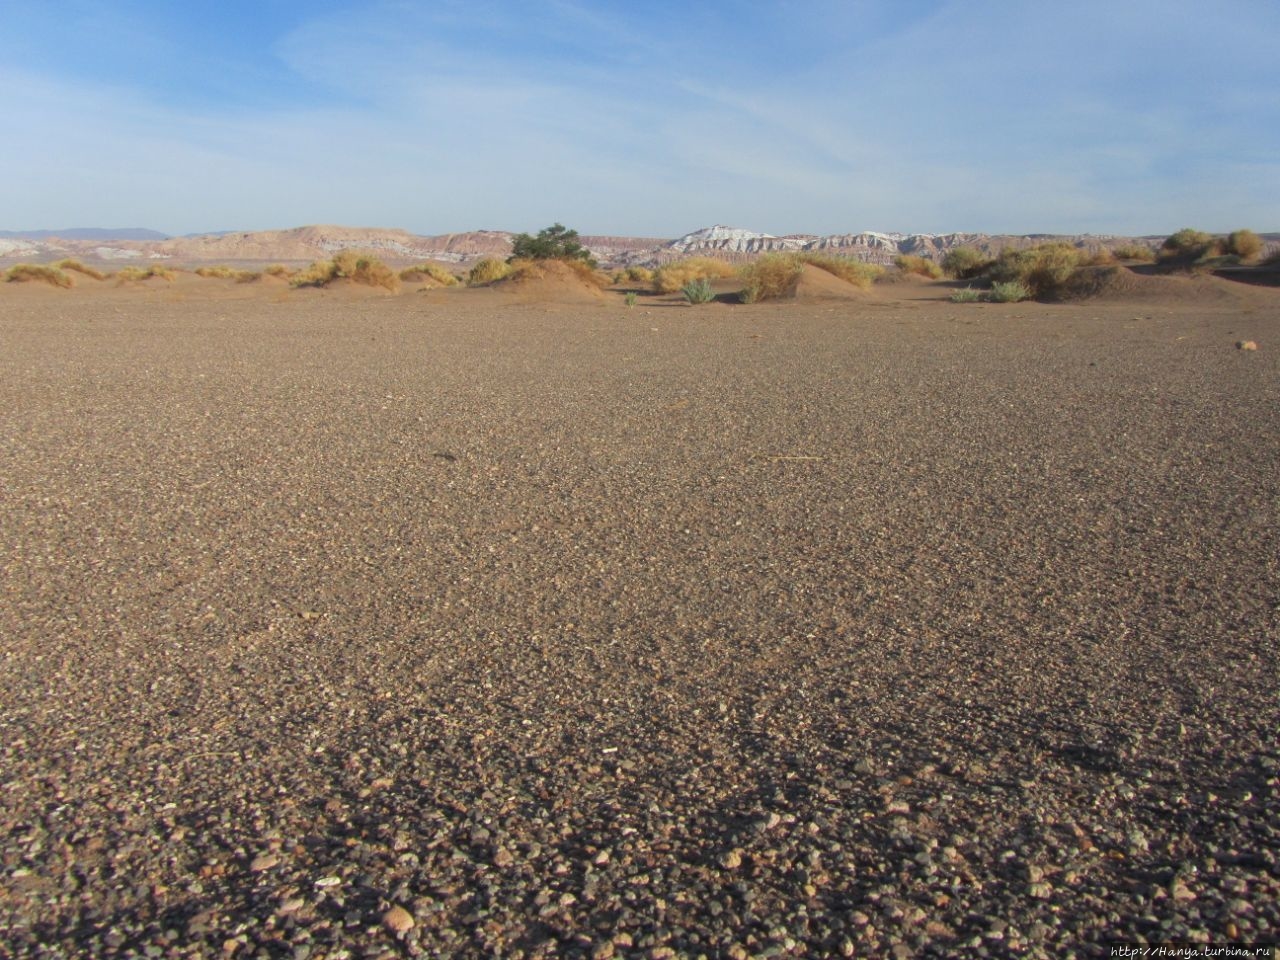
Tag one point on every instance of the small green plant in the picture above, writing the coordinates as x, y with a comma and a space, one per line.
698, 291
967, 295
487, 271
918, 265
556, 242
27, 272
1011, 291
631, 298
965, 263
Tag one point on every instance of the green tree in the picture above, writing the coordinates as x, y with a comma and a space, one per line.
556, 242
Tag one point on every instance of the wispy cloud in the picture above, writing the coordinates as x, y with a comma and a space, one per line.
815, 116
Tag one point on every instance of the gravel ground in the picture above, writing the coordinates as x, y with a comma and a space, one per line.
342, 628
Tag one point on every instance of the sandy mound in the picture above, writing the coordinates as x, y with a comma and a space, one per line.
814, 283
549, 281
1122, 285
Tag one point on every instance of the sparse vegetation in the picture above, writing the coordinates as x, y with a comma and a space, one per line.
363, 268
136, 274
76, 266
1135, 251
487, 271
858, 272
638, 275
965, 263
38, 272
533, 269
698, 291
1244, 244
556, 242
673, 276
770, 276
1011, 291
631, 298
1041, 270
967, 295
228, 273
429, 273
923, 266
1188, 245
277, 270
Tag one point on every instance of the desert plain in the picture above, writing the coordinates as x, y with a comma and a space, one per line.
467, 623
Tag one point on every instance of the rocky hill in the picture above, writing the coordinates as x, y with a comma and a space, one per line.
303, 244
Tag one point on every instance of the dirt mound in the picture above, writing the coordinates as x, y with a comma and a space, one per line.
549, 281
1121, 285
814, 283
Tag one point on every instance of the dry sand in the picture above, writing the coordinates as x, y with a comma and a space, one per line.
435, 625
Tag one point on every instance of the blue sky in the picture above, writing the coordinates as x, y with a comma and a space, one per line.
638, 118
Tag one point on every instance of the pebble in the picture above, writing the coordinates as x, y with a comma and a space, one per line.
398, 920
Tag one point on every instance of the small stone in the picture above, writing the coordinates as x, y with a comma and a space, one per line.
731, 860
1247, 345
603, 951
1181, 892
1034, 873
897, 806
1040, 891
398, 920
738, 952
502, 857
264, 862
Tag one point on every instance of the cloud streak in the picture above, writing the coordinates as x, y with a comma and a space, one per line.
817, 117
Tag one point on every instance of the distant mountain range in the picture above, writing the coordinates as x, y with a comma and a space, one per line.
86, 233
321, 242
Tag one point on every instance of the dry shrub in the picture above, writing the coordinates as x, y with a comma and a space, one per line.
638, 275
1134, 251
1012, 291
277, 270
1245, 244
1189, 245
673, 276
429, 273
1100, 258
78, 267
965, 263
770, 277
920, 265
228, 273
487, 271
1042, 270
857, 272
525, 269
133, 274
350, 265
28, 272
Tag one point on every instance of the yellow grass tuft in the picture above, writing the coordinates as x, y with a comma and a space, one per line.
487, 271
1134, 251
277, 270
1041, 270
350, 265
131, 274
429, 273
770, 276
673, 276
857, 272
923, 266
78, 267
228, 273
42, 273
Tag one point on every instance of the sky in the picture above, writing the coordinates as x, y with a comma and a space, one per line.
642, 118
